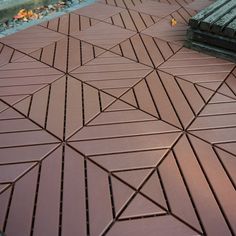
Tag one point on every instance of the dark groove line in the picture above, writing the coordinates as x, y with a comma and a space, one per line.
224, 168
35, 200
86, 196
111, 197
61, 192
8, 207
189, 192
211, 187
163, 190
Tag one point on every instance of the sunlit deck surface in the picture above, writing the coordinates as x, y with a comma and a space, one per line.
109, 126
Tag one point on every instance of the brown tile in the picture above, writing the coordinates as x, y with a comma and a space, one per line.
146, 49
163, 30
132, 20
25, 154
67, 54
48, 198
198, 5
22, 202
160, 95
69, 23
98, 11
216, 123
120, 3
10, 173
150, 226
31, 39
155, 8
98, 209
141, 206
110, 36
197, 161
111, 73
197, 67
83, 102
129, 161
74, 215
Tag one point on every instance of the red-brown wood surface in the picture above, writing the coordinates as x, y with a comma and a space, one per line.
109, 126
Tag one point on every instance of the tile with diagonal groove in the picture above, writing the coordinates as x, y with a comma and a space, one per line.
146, 49
197, 67
98, 11
132, 20
31, 39
163, 30
69, 23
203, 173
182, 15
8, 54
198, 5
228, 88
216, 123
155, 8
160, 94
68, 101
67, 54
104, 35
23, 77
111, 73
117, 128
151, 225
120, 3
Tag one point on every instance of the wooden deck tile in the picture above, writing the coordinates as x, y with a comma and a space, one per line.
109, 126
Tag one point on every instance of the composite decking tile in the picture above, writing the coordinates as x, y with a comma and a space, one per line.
70, 23
199, 4
163, 30
98, 11
111, 73
228, 88
197, 67
109, 126
30, 40
155, 8
160, 94
146, 50
121, 3
132, 20
67, 54
104, 35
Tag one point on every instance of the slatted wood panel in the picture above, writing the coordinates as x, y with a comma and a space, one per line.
109, 126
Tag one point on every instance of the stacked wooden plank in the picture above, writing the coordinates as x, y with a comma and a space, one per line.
213, 29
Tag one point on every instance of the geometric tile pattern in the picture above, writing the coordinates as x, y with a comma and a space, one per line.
109, 126
145, 49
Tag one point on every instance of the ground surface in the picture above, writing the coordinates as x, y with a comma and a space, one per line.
108, 126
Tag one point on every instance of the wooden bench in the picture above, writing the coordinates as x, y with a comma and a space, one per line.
213, 30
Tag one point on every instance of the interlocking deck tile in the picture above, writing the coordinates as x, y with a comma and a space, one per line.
228, 88
104, 35
163, 30
69, 23
132, 20
23, 77
198, 5
30, 40
146, 49
67, 54
121, 3
197, 67
155, 8
98, 11
106, 129
160, 94
111, 73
